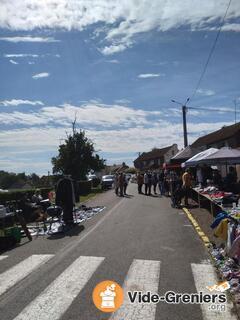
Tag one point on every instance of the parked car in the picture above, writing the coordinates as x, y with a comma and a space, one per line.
107, 181
91, 177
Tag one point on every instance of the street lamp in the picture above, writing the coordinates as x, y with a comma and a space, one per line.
184, 111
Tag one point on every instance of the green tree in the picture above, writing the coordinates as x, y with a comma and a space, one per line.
77, 156
131, 170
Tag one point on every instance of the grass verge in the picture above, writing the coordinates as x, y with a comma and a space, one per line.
91, 195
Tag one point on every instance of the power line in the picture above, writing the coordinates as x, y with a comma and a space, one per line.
212, 50
210, 109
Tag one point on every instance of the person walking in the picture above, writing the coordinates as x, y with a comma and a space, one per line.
187, 183
140, 182
145, 180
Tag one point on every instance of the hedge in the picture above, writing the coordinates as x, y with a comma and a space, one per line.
96, 182
17, 195
85, 187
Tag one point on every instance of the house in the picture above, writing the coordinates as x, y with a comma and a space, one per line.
184, 154
227, 136
155, 158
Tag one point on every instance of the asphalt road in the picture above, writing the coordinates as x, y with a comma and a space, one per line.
139, 242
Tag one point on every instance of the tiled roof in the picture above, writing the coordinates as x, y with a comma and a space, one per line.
186, 153
219, 135
154, 154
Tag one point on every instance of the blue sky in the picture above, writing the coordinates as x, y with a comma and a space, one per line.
117, 67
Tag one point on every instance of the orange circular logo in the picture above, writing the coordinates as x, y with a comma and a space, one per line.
107, 296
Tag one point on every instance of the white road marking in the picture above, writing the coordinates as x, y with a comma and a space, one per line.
143, 275
10, 277
204, 275
3, 257
58, 296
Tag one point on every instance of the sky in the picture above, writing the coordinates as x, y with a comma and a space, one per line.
116, 66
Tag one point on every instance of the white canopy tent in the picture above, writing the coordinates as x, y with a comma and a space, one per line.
215, 156
199, 157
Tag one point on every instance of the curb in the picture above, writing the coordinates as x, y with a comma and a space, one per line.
198, 229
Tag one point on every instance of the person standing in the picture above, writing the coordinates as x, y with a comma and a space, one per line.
140, 182
161, 183
154, 182
116, 184
199, 176
121, 183
186, 183
65, 198
149, 185
172, 181
166, 183
145, 180
125, 184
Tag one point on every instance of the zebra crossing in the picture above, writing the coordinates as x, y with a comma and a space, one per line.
142, 275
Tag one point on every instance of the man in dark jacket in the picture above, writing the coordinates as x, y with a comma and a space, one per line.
65, 198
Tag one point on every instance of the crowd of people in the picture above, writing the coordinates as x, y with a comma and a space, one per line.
177, 184
166, 183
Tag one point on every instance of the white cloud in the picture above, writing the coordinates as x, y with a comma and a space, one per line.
21, 55
31, 62
102, 115
13, 62
17, 102
150, 75
89, 114
28, 39
113, 61
41, 75
121, 20
114, 49
113, 128
231, 27
123, 101
206, 92
139, 138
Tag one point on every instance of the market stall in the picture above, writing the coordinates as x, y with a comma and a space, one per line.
217, 197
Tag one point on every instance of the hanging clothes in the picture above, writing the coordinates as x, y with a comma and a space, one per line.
222, 230
234, 252
218, 219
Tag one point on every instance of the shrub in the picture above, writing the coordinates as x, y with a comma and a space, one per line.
96, 182
85, 187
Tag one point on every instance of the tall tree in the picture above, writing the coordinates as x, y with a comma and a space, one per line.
77, 156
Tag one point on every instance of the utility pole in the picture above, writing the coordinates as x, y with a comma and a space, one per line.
184, 114
235, 104
184, 111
